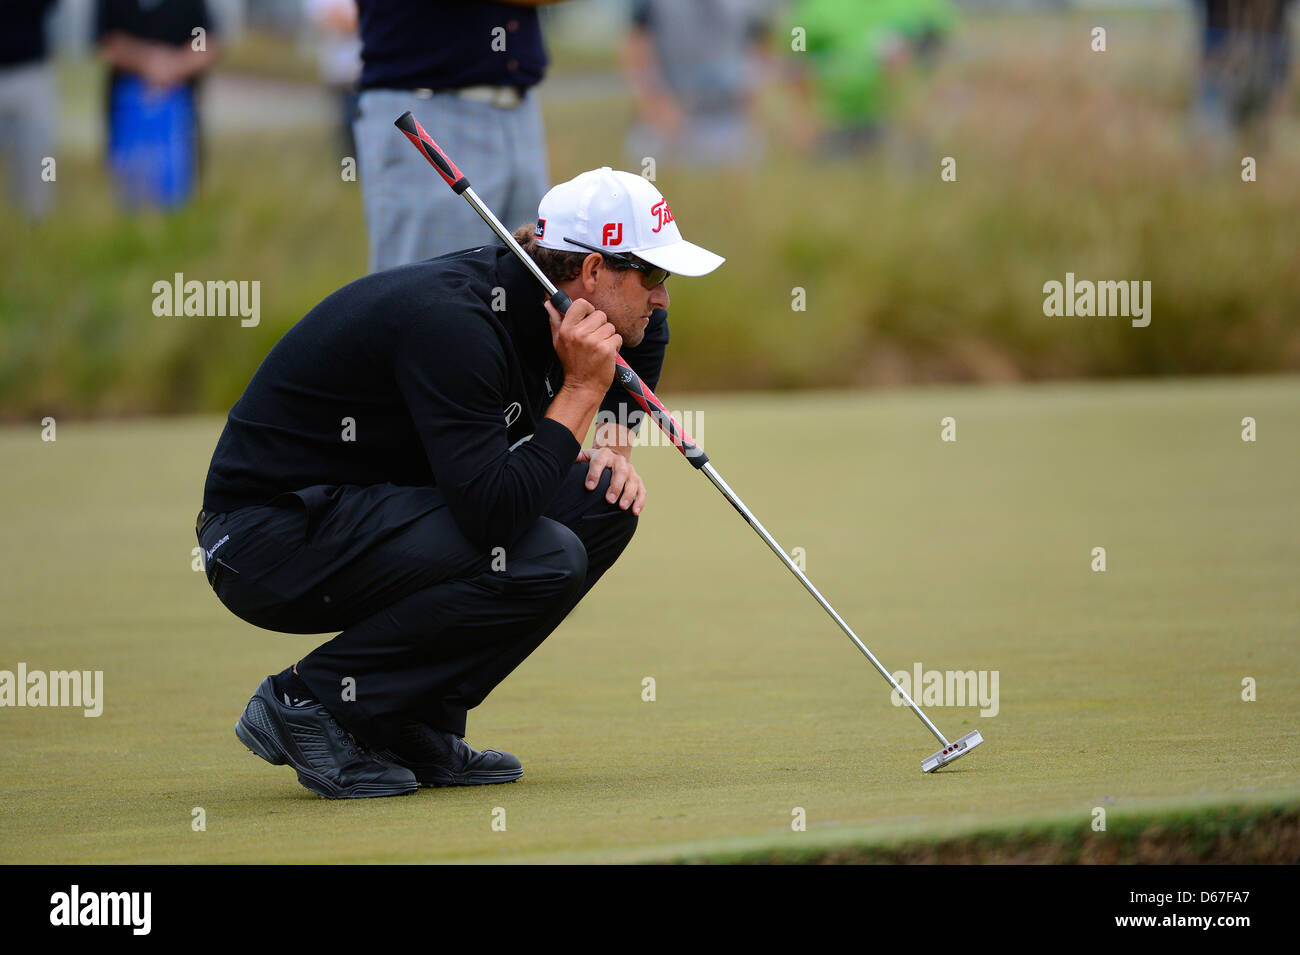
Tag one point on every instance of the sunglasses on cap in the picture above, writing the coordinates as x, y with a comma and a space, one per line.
651, 275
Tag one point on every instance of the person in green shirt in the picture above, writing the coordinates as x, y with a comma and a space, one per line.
857, 56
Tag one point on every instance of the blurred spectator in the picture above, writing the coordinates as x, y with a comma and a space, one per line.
926, 25
1245, 59
157, 50
850, 46
27, 103
339, 59
694, 67
857, 58
466, 69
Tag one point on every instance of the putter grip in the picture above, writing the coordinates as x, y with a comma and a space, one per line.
643, 396
422, 141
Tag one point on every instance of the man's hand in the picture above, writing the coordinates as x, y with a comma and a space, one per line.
625, 485
586, 343
160, 65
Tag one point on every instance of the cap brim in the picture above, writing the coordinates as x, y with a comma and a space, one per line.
682, 258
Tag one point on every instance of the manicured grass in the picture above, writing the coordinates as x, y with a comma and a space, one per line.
1120, 689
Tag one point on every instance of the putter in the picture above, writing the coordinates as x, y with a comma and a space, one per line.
643, 396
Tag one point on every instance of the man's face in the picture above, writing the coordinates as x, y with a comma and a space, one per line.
627, 302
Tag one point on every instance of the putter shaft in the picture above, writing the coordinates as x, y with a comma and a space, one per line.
721, 485
504, 234
693, 452
506, 237
754, 522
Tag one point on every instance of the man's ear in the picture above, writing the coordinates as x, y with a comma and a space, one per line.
590, 274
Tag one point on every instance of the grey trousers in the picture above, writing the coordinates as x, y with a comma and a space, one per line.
27, 108
411, 214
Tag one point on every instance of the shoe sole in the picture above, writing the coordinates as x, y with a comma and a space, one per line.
431, 776
474, 779
265, 746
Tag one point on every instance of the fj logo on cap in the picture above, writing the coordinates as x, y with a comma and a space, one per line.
612, 234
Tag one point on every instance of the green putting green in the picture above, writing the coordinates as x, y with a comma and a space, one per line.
1120, 690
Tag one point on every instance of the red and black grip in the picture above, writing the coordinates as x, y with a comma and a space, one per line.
643, 396
440, 161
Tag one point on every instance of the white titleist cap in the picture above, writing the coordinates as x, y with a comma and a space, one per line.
619, 212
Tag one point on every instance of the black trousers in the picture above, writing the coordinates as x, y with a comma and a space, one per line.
430, 623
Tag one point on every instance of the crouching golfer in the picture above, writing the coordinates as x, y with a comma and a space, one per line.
406, 467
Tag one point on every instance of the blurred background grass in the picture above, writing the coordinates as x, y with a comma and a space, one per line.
1067, 160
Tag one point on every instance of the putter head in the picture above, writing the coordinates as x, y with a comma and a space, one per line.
954, 750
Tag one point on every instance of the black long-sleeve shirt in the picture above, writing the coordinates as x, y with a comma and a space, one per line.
440, 389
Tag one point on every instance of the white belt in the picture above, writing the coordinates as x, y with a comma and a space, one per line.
502, 97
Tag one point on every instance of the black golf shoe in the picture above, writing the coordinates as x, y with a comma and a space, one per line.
439, 758
328, 758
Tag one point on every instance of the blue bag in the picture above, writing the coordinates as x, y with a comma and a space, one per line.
152, 142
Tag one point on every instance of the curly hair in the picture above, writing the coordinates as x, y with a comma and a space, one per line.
556, 264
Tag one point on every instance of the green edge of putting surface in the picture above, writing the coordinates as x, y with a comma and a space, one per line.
1118, 689
1248, 827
